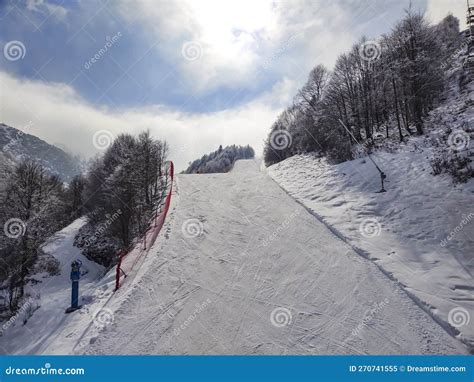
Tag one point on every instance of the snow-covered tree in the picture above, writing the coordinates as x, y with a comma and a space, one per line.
33, 209
383, 87
221, 160
127, 183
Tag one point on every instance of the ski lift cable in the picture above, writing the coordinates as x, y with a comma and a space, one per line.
382, 174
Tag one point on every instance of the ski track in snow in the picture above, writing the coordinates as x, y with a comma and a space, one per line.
409, 223
263, 276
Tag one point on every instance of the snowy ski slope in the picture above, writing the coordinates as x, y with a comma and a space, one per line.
244, 269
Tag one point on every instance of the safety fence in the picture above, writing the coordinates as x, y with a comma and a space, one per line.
127, 260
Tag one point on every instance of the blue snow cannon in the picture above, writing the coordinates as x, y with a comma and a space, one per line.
75, 277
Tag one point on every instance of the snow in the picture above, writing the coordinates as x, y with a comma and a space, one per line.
412, 223
50, 330
53, 294
244, 269
239, 268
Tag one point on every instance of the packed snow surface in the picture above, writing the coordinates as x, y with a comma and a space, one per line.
420, 232
242, 268
239, 268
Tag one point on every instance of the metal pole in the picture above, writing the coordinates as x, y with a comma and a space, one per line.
382, 174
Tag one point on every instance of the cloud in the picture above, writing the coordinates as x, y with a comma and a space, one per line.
227, 33
46, 8
436, 10
236, 38
244, 44
57, 114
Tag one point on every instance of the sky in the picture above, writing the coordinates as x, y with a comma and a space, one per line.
196, 73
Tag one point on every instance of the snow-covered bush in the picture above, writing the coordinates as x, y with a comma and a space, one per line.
46, 264
459, 167
102, 249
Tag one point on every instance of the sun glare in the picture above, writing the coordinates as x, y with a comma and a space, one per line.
230, 27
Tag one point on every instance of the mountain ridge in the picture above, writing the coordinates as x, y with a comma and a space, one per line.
17, 145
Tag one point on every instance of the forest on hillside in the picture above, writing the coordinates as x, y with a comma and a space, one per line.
118, 194
380, 89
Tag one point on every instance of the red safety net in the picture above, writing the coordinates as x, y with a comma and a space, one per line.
127, 261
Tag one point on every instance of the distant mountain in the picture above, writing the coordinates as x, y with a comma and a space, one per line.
221, 160
16, 145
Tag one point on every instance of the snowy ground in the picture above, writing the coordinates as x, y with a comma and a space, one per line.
420, 232
239, 268
53, 294
244, 269
49, 330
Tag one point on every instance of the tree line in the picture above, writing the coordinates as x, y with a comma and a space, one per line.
35, 206
118, 194
121, 192
221, 160
379, 89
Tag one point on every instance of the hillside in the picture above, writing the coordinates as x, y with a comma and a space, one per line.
6, 165
17, 145
380, 90
260, 273
221, 160
420, 232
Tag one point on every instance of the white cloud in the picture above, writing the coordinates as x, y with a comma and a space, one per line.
238, 37
437, 10
57, 114
44, 7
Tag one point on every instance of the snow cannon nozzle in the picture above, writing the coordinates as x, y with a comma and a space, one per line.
76, 265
